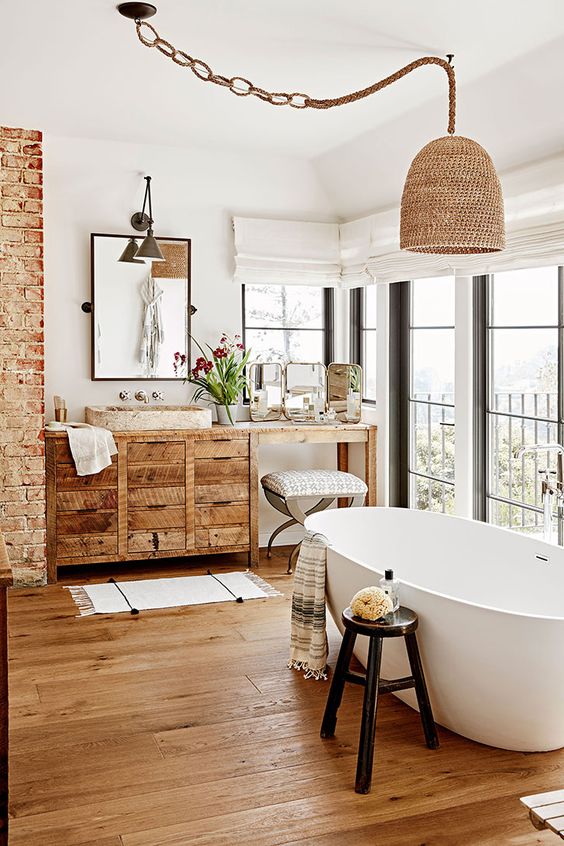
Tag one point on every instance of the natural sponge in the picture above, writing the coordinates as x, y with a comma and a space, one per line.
371, 603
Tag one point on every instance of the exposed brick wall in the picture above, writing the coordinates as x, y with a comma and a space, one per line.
22, 445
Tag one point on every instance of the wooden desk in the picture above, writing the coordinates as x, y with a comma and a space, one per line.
284, 432
5, 582
172, 493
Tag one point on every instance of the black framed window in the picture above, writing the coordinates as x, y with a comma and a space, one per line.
422, 435
522, 318
363, 337
288, 322
431, 394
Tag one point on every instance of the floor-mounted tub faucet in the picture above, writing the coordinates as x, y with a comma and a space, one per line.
552, 489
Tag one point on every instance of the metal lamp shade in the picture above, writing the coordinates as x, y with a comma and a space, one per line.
452, 202
130, 252
149, 249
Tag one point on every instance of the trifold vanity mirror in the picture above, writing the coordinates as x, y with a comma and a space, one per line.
140, 310
266, 384
305, 390
344, 392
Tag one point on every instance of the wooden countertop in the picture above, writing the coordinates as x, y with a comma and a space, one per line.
273, 427
6, 577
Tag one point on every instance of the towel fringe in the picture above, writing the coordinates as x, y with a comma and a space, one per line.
318, 675
265, 586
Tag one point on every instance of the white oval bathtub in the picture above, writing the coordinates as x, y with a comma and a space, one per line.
491, 616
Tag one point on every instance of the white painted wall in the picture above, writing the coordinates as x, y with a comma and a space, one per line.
94, 186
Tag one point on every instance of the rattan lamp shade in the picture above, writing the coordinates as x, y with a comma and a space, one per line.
452, 202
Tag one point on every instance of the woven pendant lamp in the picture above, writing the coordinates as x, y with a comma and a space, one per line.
452, 201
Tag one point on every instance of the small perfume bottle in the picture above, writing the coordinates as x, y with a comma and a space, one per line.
391, 586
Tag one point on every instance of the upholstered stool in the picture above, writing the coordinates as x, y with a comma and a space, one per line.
402, 623
285, 489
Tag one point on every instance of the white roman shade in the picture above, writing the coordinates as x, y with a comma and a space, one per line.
286, 252
366, 251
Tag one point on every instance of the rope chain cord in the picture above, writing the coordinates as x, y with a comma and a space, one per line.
243, 87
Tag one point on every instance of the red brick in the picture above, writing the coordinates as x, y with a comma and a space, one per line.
22, 221
25, 134
23, 192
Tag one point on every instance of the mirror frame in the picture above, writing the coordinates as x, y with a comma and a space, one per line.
288, 414
330, 371
93, 377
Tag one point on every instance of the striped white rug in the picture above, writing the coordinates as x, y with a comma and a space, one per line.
114, 597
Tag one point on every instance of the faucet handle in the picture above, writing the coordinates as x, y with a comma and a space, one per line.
158, 395
124, 395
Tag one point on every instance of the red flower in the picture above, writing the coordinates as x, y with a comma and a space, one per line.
220, 352
240, 346
208, 366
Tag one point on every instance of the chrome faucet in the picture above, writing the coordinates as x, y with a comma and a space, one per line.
142, 396
552, 489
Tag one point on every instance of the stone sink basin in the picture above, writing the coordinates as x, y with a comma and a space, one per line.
130, 418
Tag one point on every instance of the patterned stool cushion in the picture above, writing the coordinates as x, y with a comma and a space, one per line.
296, 483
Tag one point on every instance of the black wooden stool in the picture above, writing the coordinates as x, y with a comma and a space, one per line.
402, 623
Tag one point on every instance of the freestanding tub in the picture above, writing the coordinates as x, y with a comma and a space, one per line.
491, 616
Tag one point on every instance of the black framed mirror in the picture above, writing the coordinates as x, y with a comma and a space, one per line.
140, 311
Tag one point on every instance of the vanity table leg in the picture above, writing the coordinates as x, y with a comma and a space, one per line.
343, 464
253, 500
370, 466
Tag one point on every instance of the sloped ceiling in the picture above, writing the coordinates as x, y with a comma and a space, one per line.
77, 69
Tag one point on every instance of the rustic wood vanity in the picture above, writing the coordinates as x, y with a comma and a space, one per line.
174, 493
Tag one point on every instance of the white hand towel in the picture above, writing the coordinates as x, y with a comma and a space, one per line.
91, 447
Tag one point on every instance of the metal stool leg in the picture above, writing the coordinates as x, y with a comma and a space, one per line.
365, 759
337, 684
293, 558
275, 534
425, 710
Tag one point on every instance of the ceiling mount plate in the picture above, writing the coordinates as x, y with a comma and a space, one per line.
140, 221
137, 11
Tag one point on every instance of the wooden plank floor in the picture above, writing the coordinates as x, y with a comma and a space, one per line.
184, 727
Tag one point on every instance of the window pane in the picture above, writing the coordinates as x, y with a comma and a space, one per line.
433, 440
369, 364
429, 495
370, 307
525, 297
519, 519
284, 345
433, 364
519, 479
525, 361
433, 301
284, 306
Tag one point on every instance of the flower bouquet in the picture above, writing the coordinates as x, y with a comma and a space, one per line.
221, 377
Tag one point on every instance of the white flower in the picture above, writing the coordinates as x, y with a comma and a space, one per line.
371, 603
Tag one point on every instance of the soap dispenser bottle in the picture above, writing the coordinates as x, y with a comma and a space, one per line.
391, 586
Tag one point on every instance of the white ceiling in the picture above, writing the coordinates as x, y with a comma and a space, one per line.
77, 68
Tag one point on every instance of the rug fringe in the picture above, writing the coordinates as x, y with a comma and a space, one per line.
318, 675
265, 586
82, 600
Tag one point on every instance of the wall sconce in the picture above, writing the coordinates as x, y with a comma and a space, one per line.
149, 249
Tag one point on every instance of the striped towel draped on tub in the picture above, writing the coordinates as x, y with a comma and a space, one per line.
308, 642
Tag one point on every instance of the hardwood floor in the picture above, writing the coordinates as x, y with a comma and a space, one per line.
184, 727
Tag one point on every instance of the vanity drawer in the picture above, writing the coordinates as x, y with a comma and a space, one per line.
232, 448
224, 493
73, 546
141, 475
222, 515
160, 517
155, 541
212, 470
166, 452
84, 523
87, 500
226, 536
149, 497
67, 479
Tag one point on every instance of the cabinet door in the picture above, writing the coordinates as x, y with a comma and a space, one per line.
221, 485
156, 496
86, 518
